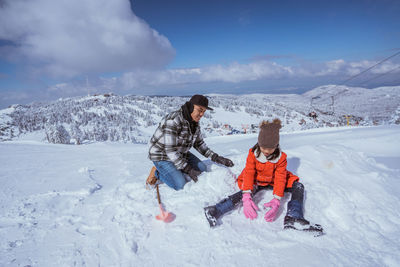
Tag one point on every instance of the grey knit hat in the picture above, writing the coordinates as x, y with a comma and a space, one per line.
268, 136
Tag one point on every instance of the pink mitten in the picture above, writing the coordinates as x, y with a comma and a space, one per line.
274, 205
249, 208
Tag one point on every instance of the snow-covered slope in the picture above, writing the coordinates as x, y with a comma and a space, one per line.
88, 206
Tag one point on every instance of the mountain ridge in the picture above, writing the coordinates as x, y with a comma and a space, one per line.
133, 118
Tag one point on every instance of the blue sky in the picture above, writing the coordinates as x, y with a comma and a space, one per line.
51, 49
240, 30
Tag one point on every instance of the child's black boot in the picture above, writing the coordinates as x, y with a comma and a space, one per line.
294, 218
302, 224
212, 215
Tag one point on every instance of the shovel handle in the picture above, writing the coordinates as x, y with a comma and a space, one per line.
158, 195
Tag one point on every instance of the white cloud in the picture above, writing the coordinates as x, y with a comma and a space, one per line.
71, 37
331, 67
347, 69
245, 72
259, 70
233, 73
262, 75
355, 68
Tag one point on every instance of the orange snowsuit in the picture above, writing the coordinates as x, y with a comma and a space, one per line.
268, 173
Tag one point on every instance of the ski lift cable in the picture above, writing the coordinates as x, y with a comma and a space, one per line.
364, 71
380, 75
380, 62
352, 77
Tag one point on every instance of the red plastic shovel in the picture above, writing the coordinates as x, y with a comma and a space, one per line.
165, 215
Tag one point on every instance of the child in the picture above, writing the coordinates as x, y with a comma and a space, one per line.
266, 168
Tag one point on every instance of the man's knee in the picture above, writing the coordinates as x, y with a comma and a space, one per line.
202, 167
179, 183
178, 186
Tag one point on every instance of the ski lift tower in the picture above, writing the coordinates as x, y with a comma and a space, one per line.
331, 106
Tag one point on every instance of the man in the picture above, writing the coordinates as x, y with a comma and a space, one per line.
176, 134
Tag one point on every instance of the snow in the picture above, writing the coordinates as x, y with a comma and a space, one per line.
235, 119
5, 115
87, 205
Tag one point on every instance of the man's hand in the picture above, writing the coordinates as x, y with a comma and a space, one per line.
193, 173
222, 160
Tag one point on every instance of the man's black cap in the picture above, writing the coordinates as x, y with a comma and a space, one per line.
200, 100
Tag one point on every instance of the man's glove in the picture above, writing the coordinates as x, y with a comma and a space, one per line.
193, 173
222, 160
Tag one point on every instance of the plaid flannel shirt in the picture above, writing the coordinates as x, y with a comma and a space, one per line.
173, 139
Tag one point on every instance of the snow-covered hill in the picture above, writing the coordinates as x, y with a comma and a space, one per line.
87, 205
133, 118
374, 105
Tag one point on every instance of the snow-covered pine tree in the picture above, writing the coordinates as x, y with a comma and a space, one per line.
57, 134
